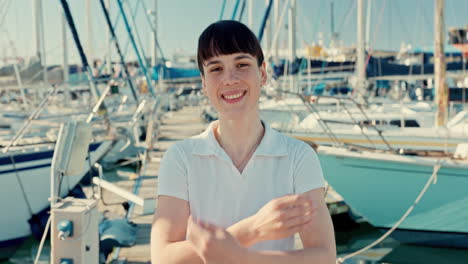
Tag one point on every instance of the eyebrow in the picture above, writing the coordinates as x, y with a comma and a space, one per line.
240, 57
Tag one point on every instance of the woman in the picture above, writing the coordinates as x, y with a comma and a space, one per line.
238, 192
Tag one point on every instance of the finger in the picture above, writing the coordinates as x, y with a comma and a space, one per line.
298, 221
296, 211
290, 200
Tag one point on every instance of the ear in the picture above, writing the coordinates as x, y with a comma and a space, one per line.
203, 84
263, 73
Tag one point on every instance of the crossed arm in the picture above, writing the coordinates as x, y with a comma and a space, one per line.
305, 214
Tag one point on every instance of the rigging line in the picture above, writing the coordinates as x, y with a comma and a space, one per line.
265, 18
452, 10
426, 20
117, 18
153, 30
127, 44
140, 61
234, 12
222, 10
117, 46
317, 21
400, 18
135, 26
241, 14
304, 17
351, 7
84, 60
21, 185
374, 35
133, 13
433, 180
6, 7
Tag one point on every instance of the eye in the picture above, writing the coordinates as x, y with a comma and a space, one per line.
215, 69
242, 65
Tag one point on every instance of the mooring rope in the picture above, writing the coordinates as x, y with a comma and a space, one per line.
432, 179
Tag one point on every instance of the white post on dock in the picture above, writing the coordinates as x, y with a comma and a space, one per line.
360, 51
439, 64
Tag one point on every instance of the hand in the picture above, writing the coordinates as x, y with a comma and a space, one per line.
283, 217
212, 243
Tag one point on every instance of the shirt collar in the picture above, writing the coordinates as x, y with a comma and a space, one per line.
272, 143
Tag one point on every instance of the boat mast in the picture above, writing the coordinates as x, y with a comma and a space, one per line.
276, 18
109, 46
65, 50
266, 40
89, 31
71, 24
39, 36
360, 51
117, 48
250, 14
154, 33
37, 31
292, 42
439, 64
368, 23
65, 66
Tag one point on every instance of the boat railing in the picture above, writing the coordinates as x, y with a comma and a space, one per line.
344, 102
312, 109
366, 118
28, 122
98, 104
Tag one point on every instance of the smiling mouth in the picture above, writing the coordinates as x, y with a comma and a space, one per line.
234, 96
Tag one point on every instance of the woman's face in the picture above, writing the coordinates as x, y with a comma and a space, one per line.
232, 83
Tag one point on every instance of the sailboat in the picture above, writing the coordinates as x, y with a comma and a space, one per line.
383, 185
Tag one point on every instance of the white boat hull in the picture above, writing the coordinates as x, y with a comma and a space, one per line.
25, 186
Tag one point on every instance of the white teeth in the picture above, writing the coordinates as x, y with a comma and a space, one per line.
234, 96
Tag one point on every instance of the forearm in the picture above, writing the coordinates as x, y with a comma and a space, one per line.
243, 232
306, 256
176, 253
183, 252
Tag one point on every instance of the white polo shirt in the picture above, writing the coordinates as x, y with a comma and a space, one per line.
199, 171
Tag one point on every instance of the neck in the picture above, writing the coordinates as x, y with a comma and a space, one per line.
239, 138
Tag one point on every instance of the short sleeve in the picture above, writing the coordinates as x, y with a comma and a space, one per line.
172, 178
307, 172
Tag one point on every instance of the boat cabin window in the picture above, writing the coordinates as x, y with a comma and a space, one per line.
374, 122
408, 123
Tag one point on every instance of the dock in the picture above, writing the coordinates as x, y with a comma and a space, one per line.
175, 126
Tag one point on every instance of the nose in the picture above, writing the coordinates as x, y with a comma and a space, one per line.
231, 77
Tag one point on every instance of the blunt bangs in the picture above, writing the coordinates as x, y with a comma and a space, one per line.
227, 37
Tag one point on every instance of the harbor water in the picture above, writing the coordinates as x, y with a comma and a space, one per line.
357, 236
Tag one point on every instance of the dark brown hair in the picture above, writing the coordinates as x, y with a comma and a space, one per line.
227, 37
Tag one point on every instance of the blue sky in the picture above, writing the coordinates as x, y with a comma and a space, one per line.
181, 21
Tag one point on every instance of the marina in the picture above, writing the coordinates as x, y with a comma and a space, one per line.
86, 122
185, 123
